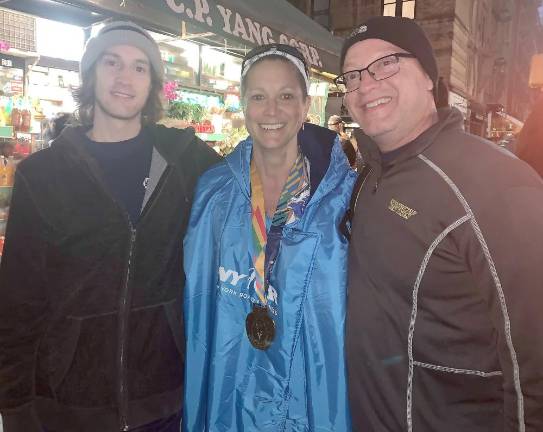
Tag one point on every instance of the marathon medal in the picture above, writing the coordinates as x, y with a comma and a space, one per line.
260, 327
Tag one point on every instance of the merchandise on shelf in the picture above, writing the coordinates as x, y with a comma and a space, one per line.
216, 117
8, 165
16, 112
5, 196
53, 88
204, 127
7, 171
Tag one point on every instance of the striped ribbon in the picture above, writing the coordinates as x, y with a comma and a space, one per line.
296, 183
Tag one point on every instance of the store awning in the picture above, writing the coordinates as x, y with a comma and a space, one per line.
260, 21
54, 10
246, 22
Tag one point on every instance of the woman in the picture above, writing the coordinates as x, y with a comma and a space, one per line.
266, 267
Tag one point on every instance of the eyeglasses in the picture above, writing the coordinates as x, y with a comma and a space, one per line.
380, 69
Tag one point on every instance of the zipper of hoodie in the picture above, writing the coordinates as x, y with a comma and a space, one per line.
124, 305
125, 299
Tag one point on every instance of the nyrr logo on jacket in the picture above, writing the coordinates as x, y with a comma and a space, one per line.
231, 281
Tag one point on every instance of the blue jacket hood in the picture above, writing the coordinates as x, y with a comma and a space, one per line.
320, 145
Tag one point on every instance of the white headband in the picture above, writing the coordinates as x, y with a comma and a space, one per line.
274, 51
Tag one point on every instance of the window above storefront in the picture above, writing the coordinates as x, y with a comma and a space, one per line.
56, 39
181, 59
402, 8
220, 71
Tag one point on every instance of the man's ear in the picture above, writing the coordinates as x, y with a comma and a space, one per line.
430, 84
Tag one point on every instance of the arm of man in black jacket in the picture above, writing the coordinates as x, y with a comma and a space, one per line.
511, 278
23, 306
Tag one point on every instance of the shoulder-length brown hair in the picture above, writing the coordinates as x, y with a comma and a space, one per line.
84, 97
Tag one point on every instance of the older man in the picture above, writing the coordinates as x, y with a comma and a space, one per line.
335, 123
446, 277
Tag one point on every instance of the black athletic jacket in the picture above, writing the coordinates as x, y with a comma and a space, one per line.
91, 335
445, 301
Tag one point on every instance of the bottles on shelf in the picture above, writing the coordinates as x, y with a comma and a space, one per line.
16, 112
7, 170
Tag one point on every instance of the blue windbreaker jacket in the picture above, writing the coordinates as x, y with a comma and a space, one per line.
299, 383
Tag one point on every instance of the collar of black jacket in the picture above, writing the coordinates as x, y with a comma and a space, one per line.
449, 118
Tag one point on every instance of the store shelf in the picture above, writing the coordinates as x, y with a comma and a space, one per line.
5, 197
27, 133
211, 136
6, 131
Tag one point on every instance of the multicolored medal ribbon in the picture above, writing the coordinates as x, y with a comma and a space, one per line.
259, 325
260, 234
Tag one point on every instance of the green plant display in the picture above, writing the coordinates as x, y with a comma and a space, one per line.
197, 112
178, 110
181, 110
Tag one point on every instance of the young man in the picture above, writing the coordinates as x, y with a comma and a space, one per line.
444, 323
91, 280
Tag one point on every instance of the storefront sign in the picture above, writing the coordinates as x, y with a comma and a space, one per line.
239, 22
12, 62
230, 21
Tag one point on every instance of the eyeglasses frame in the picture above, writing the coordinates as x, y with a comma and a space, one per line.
360, 71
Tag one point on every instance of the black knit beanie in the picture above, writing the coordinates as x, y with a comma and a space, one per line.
405, 33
